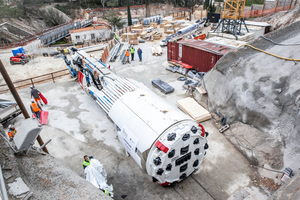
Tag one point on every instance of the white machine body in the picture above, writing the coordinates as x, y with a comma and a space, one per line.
161, 139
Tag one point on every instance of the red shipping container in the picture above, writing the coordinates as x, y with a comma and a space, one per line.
201, 55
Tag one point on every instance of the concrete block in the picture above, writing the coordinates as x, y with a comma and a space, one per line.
18, 188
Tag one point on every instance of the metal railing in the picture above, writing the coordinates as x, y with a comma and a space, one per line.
36, 80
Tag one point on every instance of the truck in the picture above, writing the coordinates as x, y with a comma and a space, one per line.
8, 111
18, 58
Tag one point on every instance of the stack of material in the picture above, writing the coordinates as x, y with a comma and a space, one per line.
156, 50
156, 37
143, 34
169, 31
153, 24
193, 109
133, 41
137, 26
129, 36
137, 31
168, 27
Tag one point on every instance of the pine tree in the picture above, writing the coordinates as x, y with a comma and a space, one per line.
128, 13
147, 2
206, 4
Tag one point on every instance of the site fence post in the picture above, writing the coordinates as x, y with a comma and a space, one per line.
52, 77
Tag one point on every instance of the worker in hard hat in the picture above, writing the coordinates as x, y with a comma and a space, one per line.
132, 52
117, 38
35, 108
35, 94
11, 132
127, 56
86, 161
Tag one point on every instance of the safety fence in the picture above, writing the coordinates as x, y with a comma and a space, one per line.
263, 12
250, 13
36, 80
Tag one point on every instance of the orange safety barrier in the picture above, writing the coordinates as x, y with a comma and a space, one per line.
258, 13
200, 37
104, 56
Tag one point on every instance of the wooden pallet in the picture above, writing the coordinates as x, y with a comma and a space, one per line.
193, 109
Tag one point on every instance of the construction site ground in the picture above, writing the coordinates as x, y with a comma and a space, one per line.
78, 126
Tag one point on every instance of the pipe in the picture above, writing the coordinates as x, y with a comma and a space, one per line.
18, 99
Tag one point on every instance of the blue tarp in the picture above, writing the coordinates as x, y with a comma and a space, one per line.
18, 50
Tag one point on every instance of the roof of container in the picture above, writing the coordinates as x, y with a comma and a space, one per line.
206, 46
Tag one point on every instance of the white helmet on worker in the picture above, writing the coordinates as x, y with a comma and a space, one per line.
10, 126
31, 87
32, 100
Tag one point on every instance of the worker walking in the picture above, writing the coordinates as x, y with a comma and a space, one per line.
132, 53
86, 161
127, 56
35, 108
35, 94
11, 132
140, 54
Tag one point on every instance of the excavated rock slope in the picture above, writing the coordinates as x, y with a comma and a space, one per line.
262, 91
281, 19
45, 176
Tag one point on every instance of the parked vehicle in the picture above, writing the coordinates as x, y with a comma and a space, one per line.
8, 110
19, 58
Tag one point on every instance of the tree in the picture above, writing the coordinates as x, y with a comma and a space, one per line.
53, 17
147, 2
114, 20
103, 2
206, 4
128, 13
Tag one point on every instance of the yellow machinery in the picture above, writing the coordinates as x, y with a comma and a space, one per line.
233, 17
234, 9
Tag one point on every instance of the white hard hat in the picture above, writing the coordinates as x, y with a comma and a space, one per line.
10, 126
31, 87
32, 100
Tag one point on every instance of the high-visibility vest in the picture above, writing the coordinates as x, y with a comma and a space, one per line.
117, 37
106, 192
35, 107
12, 133
86, 163
132, 50
127, 53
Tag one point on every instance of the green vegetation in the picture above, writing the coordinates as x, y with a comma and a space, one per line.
250, 2
68, 9
128, 13
114, 20
53, 17
11, 12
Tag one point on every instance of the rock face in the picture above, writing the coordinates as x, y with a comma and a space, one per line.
281, 19
45, 176
261, 90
